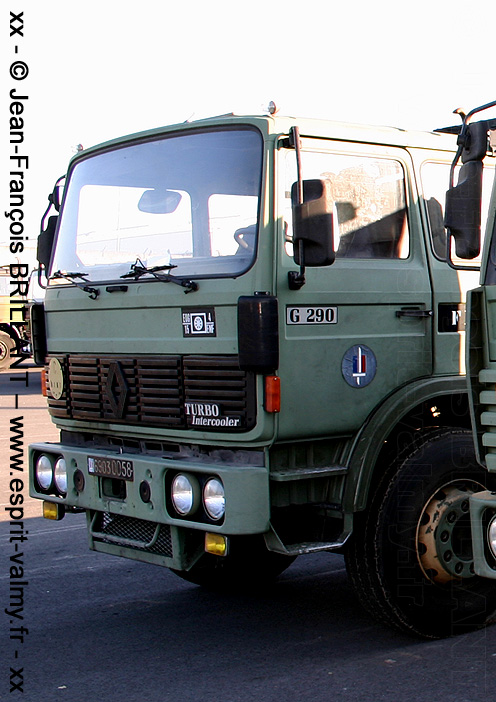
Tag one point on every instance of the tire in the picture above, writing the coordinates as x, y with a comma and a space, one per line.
6, 346
248, 565
410, 556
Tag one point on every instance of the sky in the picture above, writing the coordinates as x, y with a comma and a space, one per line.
105, 68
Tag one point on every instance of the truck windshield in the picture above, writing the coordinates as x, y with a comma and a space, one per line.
189, 201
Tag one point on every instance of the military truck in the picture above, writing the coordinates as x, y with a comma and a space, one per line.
477, 143
14, 337
254, 348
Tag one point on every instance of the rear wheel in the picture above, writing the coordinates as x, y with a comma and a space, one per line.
248, 565
410, 557
6, 346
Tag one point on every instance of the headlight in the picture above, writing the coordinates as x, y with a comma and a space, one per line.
214, 499
491, 535
44, 472
185, 494
60, 475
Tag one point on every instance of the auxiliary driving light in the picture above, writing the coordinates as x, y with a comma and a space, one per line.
185, 494
216, 544
214, 499
491, 535
60, 475
44, 472
52, 510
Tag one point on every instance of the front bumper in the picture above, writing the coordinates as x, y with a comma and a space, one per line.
136, 519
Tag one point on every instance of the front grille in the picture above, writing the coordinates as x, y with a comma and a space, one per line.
152, 391
133, 533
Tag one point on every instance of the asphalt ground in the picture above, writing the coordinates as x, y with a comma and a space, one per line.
98, 627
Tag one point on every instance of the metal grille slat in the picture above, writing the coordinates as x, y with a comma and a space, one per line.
160, 391
152, 390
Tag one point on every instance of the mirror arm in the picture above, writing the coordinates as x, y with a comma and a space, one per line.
294, 140
296, 280
40, 273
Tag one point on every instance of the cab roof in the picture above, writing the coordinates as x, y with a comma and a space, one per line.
276, 126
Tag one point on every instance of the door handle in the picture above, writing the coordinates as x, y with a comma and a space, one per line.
413, 313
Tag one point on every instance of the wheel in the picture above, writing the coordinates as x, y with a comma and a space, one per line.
410, 556
6, 346
248, 565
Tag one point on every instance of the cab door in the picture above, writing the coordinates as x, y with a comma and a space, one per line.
361, 328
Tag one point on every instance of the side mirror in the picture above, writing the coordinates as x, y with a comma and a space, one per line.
55, 197
313, 223
463, 210
45, 242
46, 236
462, 217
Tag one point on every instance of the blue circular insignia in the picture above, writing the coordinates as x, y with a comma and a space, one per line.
359, 366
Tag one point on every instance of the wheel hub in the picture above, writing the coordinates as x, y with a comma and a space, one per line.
444, 544
3, 351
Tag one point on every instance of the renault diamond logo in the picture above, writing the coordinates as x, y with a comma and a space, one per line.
117, 389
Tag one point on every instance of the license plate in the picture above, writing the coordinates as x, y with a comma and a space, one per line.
111, 467
301, 314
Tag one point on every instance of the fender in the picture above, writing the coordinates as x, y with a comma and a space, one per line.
370, 440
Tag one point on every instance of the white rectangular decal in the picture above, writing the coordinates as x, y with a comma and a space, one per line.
301, 314
208, 414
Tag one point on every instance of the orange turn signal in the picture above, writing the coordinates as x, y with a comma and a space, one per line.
272, 393
44, 382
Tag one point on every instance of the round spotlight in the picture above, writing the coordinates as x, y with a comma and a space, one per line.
491, 535
60, 475
185, 494
44, 472
214, 499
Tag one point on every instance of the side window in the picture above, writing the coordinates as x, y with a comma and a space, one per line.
435, 183
369, 194
435, 180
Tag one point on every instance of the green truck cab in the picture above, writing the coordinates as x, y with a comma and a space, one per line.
254, 348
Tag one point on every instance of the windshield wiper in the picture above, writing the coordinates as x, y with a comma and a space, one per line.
138, 269
92, 292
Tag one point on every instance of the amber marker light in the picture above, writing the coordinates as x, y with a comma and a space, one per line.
44, 382
272, 393
216, 544
53, 511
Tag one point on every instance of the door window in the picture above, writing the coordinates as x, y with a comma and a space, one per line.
435, 182
370, 201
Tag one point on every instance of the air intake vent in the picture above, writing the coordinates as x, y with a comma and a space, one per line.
133, 533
